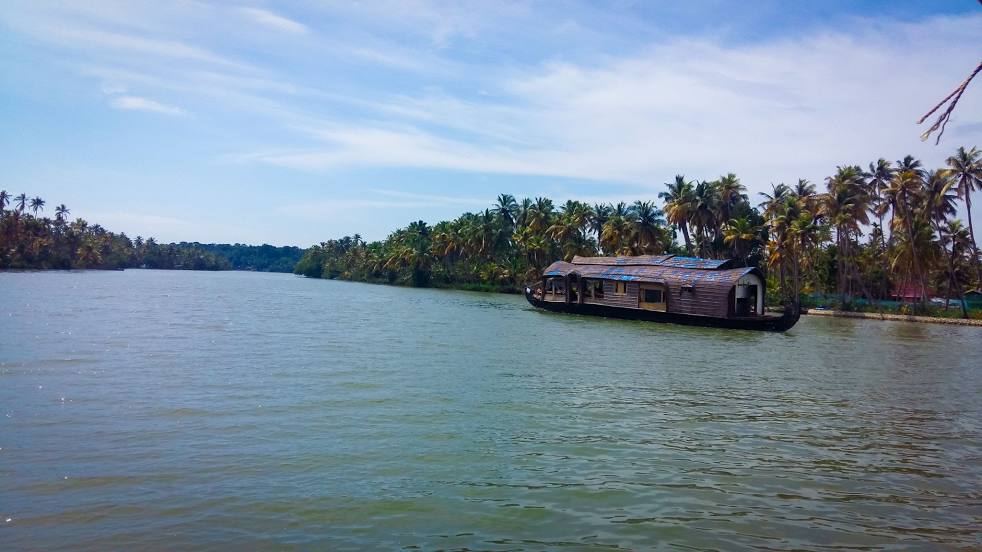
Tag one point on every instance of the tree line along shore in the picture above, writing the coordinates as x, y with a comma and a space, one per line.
884, 237
29, 240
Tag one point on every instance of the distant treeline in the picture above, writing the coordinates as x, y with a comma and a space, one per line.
261, 258
29, 240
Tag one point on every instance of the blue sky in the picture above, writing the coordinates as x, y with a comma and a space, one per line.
294, 122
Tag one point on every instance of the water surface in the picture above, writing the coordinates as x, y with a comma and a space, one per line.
166, 410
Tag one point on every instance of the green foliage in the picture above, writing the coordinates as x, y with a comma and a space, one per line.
260, 258
507, 245
30, 241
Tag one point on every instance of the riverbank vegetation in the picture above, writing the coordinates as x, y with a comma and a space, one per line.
30, 240
884, 231
259, 258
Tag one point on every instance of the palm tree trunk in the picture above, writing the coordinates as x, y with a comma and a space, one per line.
971, 232
947, 293
884, 285
796, 284
782, 270
685, 234
840, 267
915, 261
893, 213
883, 234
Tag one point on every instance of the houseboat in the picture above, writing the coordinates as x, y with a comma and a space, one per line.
660, 288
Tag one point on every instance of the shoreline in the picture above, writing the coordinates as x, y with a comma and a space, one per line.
479, 288
895, 317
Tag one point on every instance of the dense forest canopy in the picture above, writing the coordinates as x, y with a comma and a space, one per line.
29, 240
261, 258
885, 230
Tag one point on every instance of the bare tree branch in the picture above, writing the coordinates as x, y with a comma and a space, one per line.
942, 121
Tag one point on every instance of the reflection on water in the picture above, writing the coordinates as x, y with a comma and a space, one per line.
149, 410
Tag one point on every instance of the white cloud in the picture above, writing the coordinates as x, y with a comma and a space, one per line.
769, 111
132, 45
432, 199
275, 21
137, 103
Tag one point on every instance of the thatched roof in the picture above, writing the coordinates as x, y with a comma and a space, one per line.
655, 273
677, 261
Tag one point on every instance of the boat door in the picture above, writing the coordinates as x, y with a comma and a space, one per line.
749, 300
573, 288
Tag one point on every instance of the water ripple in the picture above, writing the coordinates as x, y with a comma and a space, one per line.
168, 410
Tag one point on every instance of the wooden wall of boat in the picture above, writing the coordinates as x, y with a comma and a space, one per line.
627, 300
705, 298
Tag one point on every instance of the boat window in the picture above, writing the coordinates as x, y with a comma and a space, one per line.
595, 289
653, 296
620, 288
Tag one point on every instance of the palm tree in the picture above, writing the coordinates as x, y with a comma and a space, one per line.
939, 202
878, 179
616, 235
803, 233
775, 210
954, 235
566, 230
740, 234
731, 192
845, 206
521, 216
910, 163
804, 190
37, 204
704, 216
680, 204
507, 208
61, 213
21, 201
648, 224
4, 200
916, 249
774, 200
904, 193
965, 168
540, 214
599, 215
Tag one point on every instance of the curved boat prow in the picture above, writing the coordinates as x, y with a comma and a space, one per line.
787, 320
530, 294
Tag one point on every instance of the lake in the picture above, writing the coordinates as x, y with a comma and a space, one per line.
173, 410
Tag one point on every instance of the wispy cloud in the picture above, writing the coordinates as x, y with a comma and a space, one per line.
274, 21
383, 199
170, 228
431, 198
137, 103
770, 110
126, 44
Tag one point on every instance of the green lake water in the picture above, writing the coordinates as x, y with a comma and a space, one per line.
184, 410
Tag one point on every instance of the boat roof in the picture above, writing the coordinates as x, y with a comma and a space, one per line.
677, 261
661, 269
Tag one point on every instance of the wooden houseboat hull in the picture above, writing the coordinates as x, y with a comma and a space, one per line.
769, 323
